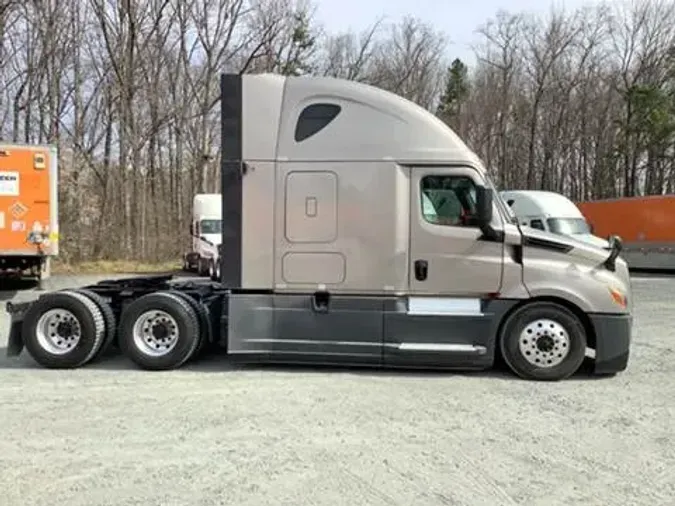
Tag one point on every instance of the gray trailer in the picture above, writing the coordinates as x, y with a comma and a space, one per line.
358, 230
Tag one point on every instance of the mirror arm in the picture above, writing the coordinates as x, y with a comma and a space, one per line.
489, 232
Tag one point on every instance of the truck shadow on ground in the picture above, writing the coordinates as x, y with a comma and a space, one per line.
218, 363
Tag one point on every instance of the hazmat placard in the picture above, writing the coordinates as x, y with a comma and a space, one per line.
9, 184
18, 210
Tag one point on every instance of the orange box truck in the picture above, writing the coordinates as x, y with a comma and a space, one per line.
645, 224
28, 210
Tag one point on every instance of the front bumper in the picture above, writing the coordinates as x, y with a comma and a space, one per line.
613, 335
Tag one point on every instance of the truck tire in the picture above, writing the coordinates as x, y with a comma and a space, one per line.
543, 341
63, 330
212, 270
202, 267
204, 322
159, 331
108, 318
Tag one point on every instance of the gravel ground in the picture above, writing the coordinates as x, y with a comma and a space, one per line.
213, 434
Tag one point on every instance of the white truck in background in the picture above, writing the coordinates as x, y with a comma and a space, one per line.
205, 231
551, 212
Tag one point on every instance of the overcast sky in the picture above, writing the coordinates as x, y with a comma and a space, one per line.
457, 18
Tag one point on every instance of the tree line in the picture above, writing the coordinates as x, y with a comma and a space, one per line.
580, 102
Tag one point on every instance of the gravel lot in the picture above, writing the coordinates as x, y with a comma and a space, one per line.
212, 434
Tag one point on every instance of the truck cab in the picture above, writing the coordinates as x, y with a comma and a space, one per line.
551, 212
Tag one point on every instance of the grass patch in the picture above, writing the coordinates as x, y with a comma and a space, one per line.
114, 267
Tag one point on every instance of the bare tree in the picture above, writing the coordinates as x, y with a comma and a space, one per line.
580, 102
350, 56
411, 63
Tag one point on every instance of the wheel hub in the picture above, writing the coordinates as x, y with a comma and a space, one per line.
544, 343
160, 331
65, 329
155, 333
58, 331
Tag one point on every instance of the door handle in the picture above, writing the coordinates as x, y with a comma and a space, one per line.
421, 268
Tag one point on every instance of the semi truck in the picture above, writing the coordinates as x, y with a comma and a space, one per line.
205, 234
359, 229
552, 212
645, 224
28, 210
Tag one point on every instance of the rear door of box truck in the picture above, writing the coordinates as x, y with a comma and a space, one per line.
28, 198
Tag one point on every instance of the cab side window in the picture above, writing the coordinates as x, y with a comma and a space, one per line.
448, 200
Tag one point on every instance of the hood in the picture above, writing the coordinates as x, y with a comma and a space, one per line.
214, 239
592, 239
571, 245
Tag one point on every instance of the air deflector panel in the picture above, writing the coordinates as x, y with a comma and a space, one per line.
231, 178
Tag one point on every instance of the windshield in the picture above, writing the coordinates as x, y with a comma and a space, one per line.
568, 226
210, 226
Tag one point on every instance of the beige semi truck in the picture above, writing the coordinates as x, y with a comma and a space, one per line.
359, 230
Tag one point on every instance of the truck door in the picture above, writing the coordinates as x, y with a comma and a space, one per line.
447, 255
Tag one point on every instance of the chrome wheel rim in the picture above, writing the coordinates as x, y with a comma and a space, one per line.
155, 333
58, 331
544, 343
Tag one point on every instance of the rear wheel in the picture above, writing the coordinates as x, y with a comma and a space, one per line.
204, 322
159, 331
63, 330
543, 341
108, 317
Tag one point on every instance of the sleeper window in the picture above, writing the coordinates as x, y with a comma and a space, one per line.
315, 118
448, 200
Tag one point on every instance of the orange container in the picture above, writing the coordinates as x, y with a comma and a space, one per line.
28, 200
634, 219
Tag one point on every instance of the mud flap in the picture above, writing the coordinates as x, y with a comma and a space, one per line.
14, 341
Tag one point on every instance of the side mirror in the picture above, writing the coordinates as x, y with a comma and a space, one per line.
483, 206
616, 246
484, 212
591, 228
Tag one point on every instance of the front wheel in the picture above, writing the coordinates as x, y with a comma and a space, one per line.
202, 267
543, 341
214, 273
